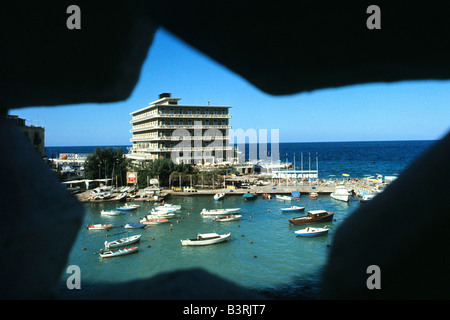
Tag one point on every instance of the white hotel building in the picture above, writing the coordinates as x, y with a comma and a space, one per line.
191, 134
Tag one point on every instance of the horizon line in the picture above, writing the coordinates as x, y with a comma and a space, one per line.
340, 141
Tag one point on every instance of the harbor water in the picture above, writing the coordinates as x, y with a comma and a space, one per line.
263, 254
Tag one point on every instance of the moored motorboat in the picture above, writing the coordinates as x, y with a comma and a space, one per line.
102, 226
167, 209
135, 225
121, 196
313, 216
232, 217
117, 252
122, 242
340, 193
313, 195
283, 197
160, 214
367, 197
295, 194
148, 220
219, 196
249, 196
293, 209
128, 207
206, 239
220, 211
110, 212
165, 206
311, 232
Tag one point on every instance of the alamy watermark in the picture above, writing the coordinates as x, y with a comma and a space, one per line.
212, 146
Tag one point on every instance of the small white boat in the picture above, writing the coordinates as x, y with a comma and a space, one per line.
166, 209
311, 232
128, 207
122, 242
103, 226
313, 195
220, 211
232, 217
206, 239
121, 196
160, 214
367, 197
293, 209
219, 196
340, 193
168, 206
285, 198
117, 252
110, 212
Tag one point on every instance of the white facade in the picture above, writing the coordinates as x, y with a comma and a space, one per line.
191, 134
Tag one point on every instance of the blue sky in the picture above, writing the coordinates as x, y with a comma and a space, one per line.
412, 110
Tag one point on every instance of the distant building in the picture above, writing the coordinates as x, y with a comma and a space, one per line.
35, 134
192, 134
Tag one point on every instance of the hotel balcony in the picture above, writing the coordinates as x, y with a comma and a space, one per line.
153, 138
149, 116
143, 127
188, 149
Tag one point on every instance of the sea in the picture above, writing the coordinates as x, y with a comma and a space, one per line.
263, 254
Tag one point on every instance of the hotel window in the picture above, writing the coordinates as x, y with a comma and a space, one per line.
224, 111
171, 111
189, 111
206, 111
181, 111
189, 122
180, 122
207, 123
198, 111
215, 111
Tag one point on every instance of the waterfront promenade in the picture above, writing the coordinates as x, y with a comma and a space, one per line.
323, 188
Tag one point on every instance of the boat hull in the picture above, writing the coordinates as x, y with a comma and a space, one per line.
228, 218
100, 226
339, 197
205, 242
118, 252
284, 198
110, 212
312, 219
122, 242
294, 209
311, 232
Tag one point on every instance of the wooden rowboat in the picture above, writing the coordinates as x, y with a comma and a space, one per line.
232, 217
100, 226
122, 242
117, 252
205, 239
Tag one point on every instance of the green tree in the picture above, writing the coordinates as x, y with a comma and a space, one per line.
107, 163
162, 169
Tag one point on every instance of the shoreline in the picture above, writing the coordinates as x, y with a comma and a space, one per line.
258, 190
